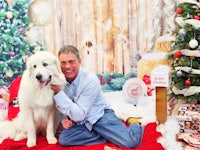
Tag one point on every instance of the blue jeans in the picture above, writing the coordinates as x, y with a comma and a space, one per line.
108, 128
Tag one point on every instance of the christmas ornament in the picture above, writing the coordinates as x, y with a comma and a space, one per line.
21, 31
179, 11
9, 73
9, 15
193, 43
182, 32
12, 54
149, 91
187, 82
188, 16
146, 79
41, 12
173, 46
178, 54
197, 17
10, 2
179, 73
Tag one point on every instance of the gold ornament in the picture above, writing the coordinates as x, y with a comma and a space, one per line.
10, 2
41, 12
9, 74
9, 15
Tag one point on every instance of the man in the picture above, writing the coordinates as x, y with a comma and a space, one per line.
87, 116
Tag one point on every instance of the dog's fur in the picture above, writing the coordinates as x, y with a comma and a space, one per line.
37, 108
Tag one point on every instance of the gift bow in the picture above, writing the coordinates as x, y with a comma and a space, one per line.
146, 79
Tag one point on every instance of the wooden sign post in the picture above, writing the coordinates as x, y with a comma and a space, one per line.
161, 104
160, 78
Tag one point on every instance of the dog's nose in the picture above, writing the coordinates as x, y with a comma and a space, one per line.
38, 77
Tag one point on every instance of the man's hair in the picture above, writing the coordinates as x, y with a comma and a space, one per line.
69, 48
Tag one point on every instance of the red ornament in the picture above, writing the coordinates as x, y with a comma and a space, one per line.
21, 31
149, 91
146, 79
178, 54
179, 11
197, 17
187, 82
12, 54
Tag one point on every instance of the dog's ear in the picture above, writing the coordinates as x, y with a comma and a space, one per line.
58, 77
28, 67
57, 63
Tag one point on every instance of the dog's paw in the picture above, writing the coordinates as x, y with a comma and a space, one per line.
51, 140
31, 142
20, 136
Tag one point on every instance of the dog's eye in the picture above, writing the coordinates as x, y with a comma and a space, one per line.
45, 64
34, 66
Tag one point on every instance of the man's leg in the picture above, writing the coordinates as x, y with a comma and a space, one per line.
112, 129
79, 135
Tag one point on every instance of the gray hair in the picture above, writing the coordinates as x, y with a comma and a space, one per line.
69, 48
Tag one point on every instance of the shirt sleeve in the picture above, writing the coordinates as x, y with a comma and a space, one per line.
83, 101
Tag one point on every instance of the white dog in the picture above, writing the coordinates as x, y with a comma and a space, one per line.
37, 108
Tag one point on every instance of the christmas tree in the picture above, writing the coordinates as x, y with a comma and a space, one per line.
186, 53
15, 45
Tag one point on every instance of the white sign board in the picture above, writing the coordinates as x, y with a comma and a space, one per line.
161, 76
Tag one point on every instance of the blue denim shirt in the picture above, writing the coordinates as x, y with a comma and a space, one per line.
82, 100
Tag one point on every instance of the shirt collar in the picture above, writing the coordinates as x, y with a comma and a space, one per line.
77, 79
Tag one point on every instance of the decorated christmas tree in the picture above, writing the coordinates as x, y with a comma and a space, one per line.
186, 52
15, 43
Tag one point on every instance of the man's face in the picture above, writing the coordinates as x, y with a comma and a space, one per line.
70, 65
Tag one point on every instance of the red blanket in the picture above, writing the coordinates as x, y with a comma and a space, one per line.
148, 143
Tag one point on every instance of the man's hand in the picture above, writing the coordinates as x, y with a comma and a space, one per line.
67, 123
56, 88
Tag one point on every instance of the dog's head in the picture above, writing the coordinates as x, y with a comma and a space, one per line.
44, 68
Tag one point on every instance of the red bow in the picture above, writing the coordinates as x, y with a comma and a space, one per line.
146, 79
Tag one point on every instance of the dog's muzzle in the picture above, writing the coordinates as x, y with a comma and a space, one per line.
43, 83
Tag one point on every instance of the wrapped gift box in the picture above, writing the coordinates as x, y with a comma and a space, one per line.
188, 117
164, 43
151, 60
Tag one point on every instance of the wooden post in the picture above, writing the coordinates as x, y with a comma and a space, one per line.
161, 104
